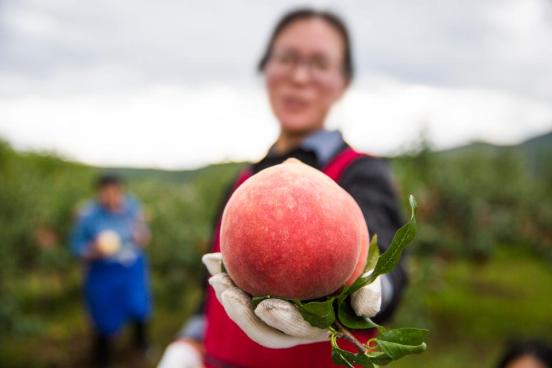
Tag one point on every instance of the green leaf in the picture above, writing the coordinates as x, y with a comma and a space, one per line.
373, 254
404, 336
360, 282
391, 344
401, 239
318, 314
379, 358
347, 358
397, 351
388, 260
349, 319
342, 357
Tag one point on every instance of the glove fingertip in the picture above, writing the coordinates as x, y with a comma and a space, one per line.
366, 302
213, 262
233, 295
220, 282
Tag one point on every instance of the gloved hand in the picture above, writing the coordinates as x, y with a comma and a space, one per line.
276, 323
181, 354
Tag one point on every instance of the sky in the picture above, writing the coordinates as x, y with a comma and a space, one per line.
172, 84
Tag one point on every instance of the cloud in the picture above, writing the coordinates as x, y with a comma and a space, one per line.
179, 76
177, 127
492, 44
164, 125
392, 114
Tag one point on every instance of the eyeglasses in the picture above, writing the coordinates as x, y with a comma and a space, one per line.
320, 67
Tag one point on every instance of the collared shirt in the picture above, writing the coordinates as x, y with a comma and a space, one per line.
325, 144
316, 150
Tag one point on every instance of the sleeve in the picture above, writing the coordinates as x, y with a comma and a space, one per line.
138, 216
370, 183
80, 236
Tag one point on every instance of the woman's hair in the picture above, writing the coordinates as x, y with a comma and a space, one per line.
533, 348
307, 13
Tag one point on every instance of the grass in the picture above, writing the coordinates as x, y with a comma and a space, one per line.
472, 310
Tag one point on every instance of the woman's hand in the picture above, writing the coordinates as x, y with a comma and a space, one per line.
140, 232
276, 323
93, 252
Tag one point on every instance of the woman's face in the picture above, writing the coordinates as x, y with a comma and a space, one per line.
304, 74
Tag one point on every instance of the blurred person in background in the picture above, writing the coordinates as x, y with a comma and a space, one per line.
109, 236
527, 354
307, 67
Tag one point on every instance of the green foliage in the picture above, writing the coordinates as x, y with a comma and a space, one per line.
346, 358
473, 309
388, 346
319, 314
373, 254
476, 198
484, 215
348, 317
39, 197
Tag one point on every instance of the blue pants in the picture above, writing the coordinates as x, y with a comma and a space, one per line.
116, 293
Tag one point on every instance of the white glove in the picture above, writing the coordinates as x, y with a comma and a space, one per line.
181, 354
276, 323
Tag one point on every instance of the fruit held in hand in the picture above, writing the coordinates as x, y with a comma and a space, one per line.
109, 242
290, 231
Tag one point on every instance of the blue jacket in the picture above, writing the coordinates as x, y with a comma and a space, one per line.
117, 287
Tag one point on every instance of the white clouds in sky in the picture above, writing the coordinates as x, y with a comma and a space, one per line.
171, 83
175, 127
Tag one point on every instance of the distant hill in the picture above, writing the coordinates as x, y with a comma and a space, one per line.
475, 147
156, 174
173, 175
540, 142
536, 151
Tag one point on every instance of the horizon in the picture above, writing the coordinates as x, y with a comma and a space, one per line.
223, 162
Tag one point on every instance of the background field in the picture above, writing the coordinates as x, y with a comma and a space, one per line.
480, 269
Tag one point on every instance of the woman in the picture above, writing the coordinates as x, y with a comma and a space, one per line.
109, 237
307, 67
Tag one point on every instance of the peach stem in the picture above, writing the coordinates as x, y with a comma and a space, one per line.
349, 336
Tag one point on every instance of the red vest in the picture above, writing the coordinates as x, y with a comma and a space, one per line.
227, 346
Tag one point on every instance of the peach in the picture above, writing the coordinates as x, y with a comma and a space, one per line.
290, 231
364, 245
109, 242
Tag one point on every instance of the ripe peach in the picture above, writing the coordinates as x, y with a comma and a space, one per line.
364, 245
292, 232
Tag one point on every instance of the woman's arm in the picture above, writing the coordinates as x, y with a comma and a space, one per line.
370, 182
